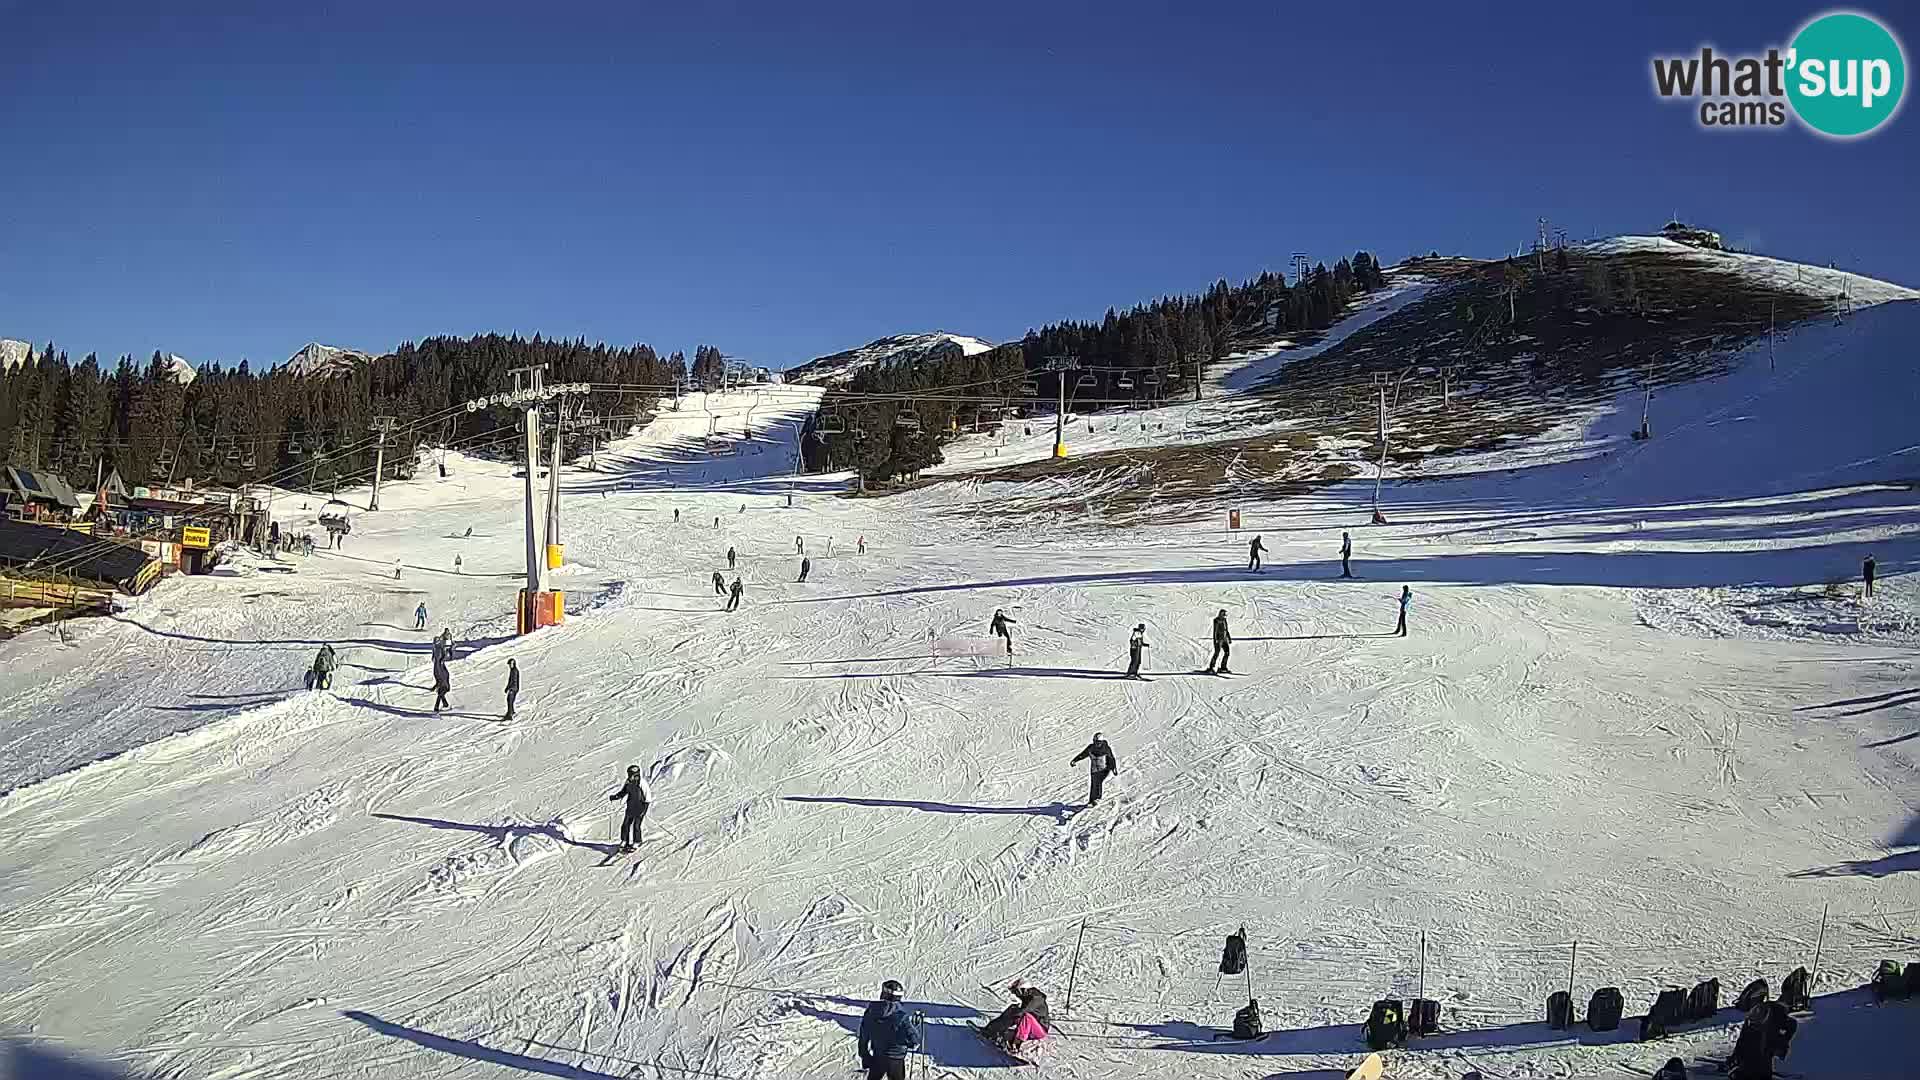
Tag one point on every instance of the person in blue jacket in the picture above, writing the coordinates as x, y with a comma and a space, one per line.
1406, 599
887, 1035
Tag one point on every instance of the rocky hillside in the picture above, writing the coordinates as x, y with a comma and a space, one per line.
837, 368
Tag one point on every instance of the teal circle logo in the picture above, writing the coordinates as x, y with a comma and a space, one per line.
1848, 74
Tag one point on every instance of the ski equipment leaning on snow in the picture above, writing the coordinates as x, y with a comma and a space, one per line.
639, 796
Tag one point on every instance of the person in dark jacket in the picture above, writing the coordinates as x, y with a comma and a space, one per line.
1100, 765
1764, 1036
639, 796
887, 1035
1254, 551
1406, 599
513, 686
806, 566
442, 683
733, 595
999, 628
1346, 554
1030, 1001
323, 662
1866, 573
731, 556
1222, 645
719, 584
1136, 644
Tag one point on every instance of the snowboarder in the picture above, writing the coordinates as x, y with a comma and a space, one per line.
1100, 765
861, 548
1135, 645
469, 532
805, 566
1222, 645
1346, 554
887, 1035
1254, 551
1406, 598
1764, 1036
1025, 1020
733, 595
323, 668
1866, 573
456, 565
442, 683
639, 796
420, 616
731, 556
719, 584
513, 687
998, 628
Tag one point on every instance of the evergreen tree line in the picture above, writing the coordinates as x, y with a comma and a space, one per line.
235, 425
1144, 355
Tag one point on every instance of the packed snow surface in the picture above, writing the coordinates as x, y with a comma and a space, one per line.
1642, 705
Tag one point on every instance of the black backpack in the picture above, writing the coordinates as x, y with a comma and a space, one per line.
1674, 1069
1796, 993
1386, 1025
1423, 1016
1890, 981
1704, 1001
1603, 1011
1754, 994
1669, 1011
1233, 958
1246, 1022
1559, 1010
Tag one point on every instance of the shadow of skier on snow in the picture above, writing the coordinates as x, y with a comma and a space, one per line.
477, 1051
500, 833
1057, 811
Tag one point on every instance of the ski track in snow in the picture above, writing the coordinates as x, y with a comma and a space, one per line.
1638, 707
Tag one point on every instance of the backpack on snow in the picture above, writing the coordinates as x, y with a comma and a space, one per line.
1890, 981
1669, 1011
1704, 1001
1233, 958
1604, 1009
1796, 993
1674, 1069
1559, 1010
1386, 1025
1246, 1022
1754, 994
1423, 1017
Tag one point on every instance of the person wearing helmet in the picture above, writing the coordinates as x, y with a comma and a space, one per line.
887, 1035
1100, 764
1222, 645
639, 796
1136, 644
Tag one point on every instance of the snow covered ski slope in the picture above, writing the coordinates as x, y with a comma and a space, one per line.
1641, 705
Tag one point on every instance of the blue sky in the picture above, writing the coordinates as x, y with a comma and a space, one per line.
784, 180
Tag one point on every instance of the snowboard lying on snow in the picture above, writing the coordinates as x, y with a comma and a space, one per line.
1373, 1068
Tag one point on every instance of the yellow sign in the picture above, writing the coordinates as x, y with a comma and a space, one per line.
195, 536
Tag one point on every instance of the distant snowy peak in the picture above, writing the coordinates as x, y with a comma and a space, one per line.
900, 348
325, 361
1782, 274
13, 352
182, 371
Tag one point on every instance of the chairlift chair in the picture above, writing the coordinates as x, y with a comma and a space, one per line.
247, 460
907, 420
1125, 383
1029, 388
334, 513
1084, 381
830, 425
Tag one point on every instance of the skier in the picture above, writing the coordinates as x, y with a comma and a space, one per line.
799, 546
805, 565
731, 555
469, 532
1866, 572
829, 547
861, 549
676, 517
1764, 1036
456, 565
513, 687
887, 1035
1254, 551
1406, 598
323, 668
442, 683
1346, 554
1100, 765
733, 595
396, 569
1023, 1021
443, 645
1246, 1022
719, 584
1135, 645
420, 616
998, 628
639, 796
1222, 645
